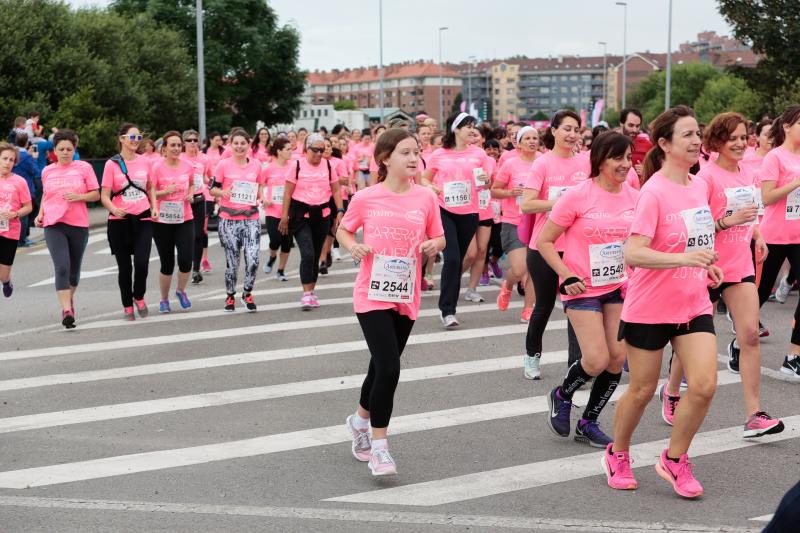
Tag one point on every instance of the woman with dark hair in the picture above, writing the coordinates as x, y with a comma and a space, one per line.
671, 248
456, 173
551, 175
400, 222
15, 202
127, 192
274, 175
199, 162
260, 147
594, 217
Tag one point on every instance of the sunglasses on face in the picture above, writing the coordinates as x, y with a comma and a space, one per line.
132, 137
190, 141
317, 150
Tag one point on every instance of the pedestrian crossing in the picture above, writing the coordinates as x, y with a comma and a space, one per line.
463, 385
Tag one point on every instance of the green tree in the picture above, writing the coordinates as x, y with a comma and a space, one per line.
540, 115
344, 105
251, 63
456, 107
688, 81
726, 93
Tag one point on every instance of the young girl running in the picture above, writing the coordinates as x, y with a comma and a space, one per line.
15, 202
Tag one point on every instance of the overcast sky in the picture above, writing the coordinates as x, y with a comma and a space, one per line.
344, 33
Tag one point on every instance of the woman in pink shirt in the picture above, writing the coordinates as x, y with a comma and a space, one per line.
363, 152
400, 222
127, 193
551, 175
508, 186
260, 147
213, 152
780, 191
15, 202
68, 186
199, 162
595, 218
274, 175
671, 248
238, 184
173, 217
456, 173
337, 166
311, 183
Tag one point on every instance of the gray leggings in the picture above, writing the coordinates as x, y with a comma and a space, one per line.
239, 236
66, 244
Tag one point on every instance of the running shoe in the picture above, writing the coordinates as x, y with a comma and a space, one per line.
429, 280
761, 423
247, 299
268, 265
668, 404
8, 288
205, 266
183, 299
68, 319
314, 302
495, 269
762, 330
141, 308
323, 269
328, 260
423, 285
305, 302
625, 365
733, 357
589, 432
280, 276
230, 303
530, 366
471, 295
196, 277
617, 467
361, 446
450, 321
722, 308
163, 306
684, 383
484, 280
504, 298
782, 292
558, 416
679, 475
381, 463
525, 317
336, 254
520, 289
128, 313
791, 367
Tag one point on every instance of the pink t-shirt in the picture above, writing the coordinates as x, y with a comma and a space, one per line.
199, 165
77, 177
274, 177
261, 154
14, 193
132, 200
513, 173
677, 219
394, 226
597, 223
633, 179
507, 155
181, 177
313, 187
455, 180
552, 175
363, 153
781, 222
213, 157
342, 169
243, 182
728, 192
485, 210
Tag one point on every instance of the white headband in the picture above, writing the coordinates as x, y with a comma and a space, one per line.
459, 119
523, 131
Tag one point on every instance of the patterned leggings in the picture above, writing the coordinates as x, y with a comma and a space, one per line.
237, 236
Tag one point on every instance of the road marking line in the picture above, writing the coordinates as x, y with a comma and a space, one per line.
368, 515
227, 333
295, 440
247, 358
765, 518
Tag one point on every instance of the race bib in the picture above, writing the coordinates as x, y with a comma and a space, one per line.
699, 229
198, 183
738, 198
132, 194
484, 197
554, 193
4, 224
759, 201
392, 279
457, 193
793, 205
244, 192
607, 264
277, 194
363, 163
170, 212
476, 175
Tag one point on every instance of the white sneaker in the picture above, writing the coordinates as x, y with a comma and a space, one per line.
471, 295
336, 255
361, 446
450, 321
381, 463
782, 292
530, 365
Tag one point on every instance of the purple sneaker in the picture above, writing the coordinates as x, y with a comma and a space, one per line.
8, 288
496, 270
484, 280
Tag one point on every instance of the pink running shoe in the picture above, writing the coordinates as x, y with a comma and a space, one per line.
362, 446
205, 266
305, 302
525, 317
618, 469
314, 302
504, 297
761, 423
680, 475
381, 463
668, 404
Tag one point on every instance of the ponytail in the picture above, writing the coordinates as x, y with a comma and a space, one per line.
789, 116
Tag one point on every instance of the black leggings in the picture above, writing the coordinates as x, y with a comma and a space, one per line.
769, 273
545, 285
276, 238
310, 238
495, 248
66, 245
131, 237
386, 332
458, 233
171, 237
200, 236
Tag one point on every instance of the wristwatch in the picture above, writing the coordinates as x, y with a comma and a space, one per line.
340, 210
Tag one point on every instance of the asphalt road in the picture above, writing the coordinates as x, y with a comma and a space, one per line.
207, 421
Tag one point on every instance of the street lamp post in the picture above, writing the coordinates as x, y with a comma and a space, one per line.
624, 52
668, 81
201, 82
441, 81
605, 77
471, 59
380, 71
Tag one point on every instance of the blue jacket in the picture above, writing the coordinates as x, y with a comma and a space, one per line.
27, 168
